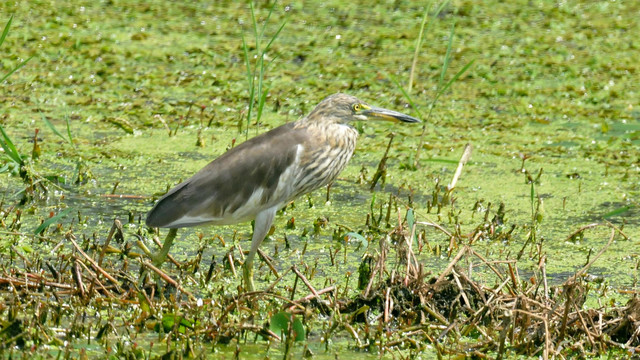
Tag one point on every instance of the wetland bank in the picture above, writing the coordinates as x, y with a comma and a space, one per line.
122, 100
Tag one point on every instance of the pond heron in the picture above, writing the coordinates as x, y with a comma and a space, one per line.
258, 177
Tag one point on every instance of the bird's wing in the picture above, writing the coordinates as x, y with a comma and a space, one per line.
237, 185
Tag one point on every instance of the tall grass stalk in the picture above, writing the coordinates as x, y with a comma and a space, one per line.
4, 36
257, 92
442, 85
9, 149
424, 27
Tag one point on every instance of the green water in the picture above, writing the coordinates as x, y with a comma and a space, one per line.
553, 82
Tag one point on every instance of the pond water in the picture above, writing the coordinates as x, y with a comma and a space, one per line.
552, 95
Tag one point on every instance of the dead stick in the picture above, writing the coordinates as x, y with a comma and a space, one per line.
19, 282
267, 261
94, 278
93, 263
319, 292
168, 279
276, 281
547, 340
450, 235
452, 264
584, 324
306, 282
459, 284
466, 155
77, 275
586, 267
487, 263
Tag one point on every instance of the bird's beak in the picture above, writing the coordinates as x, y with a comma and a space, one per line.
376, 113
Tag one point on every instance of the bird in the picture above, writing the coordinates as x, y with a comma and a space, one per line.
255, 179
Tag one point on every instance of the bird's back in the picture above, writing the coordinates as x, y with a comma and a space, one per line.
235, 186
265, 171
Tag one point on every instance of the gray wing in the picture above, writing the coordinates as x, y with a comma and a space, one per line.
220, 191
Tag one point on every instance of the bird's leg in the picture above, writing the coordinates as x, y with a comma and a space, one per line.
260, 229
161, 256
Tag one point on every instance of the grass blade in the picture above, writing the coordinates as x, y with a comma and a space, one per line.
52, 127
424, 27
616, 212
447, 55
533, 196
454, 78
250, 79
414, 63
258, 70
266, 21
66, 118
45, 224
406, 95
16, 69
261, 102
10, 149
255, 26
275, 36
358, 237
6, 30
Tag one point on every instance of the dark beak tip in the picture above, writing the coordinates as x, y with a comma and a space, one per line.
408, 119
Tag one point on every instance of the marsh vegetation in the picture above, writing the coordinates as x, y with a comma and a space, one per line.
534, 251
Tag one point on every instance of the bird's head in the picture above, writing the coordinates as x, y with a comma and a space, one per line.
344, 109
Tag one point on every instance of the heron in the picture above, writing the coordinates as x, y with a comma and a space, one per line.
255, 179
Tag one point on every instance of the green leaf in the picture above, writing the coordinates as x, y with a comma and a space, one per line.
66, 118
169, 321
359, 237
50, 125
10, 149
2, 37
6, 30
144, 304
410, 218
447, 55
16, 68
298, 329
279, 323
616, 212
453, 79
51, 220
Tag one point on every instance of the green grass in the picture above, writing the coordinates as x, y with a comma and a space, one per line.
550, 83
257, 72
5, 32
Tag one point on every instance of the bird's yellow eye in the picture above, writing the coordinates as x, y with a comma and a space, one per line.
356, 107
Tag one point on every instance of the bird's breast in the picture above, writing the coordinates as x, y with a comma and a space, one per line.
324, 156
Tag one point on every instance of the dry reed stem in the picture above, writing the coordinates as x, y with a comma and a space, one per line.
452, 263
168, 279
267, 261
71, 238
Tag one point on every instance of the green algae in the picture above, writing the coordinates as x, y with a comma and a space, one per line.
552, 83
